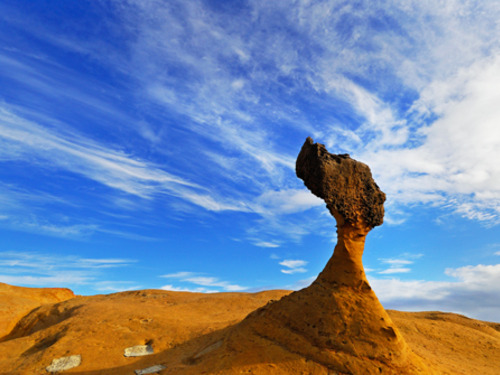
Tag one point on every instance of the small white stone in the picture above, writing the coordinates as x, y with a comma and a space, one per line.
138, 351
150, 370
64, 363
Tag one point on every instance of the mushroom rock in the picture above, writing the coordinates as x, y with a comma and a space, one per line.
353, 198
337, 323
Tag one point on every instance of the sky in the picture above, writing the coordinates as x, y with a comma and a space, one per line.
152, 144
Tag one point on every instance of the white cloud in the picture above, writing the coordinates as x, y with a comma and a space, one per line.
172, 288
112, 168
455, 165
116, 286
293, 263
475, 292
396, 261
246, 87
395, 270
202, 282
178, 275
49, 270
398, 265
497, 253
58, 230
415, 159
301, 284
215, 282
64, 279
286, 201
266, 244
293, 266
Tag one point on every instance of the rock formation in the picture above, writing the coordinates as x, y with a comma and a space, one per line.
337, 322
336, 326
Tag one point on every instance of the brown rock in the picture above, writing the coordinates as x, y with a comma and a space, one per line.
346, 185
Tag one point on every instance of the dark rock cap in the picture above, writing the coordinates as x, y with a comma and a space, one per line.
346, 185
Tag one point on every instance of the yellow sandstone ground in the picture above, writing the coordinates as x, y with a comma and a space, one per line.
15, 302
179, 326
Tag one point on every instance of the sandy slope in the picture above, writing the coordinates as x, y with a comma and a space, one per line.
15, 302
180, 326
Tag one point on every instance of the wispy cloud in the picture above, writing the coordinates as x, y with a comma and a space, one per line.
293, 266
303, 283
114, 169
50, 270
240, 85
393, 270
396, 266
204, 284
173, 288
409, 151
286, 201
399, 265
52, 229
266, 244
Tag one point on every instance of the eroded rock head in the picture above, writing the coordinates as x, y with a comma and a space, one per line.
346, 185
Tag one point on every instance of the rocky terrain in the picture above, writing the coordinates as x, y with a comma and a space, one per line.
181, 326
335, 326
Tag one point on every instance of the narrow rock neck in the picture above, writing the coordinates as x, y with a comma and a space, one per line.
345, 267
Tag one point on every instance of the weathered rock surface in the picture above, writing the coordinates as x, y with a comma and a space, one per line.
346, 185
65, 363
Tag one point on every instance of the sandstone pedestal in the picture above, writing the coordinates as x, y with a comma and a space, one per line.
337, 325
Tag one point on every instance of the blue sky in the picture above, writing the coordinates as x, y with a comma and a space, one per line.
152, 144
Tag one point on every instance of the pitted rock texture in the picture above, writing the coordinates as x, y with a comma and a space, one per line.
346, 185
352, 197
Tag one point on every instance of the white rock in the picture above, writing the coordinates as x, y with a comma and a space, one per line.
150, 370
138, 351
64, 363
